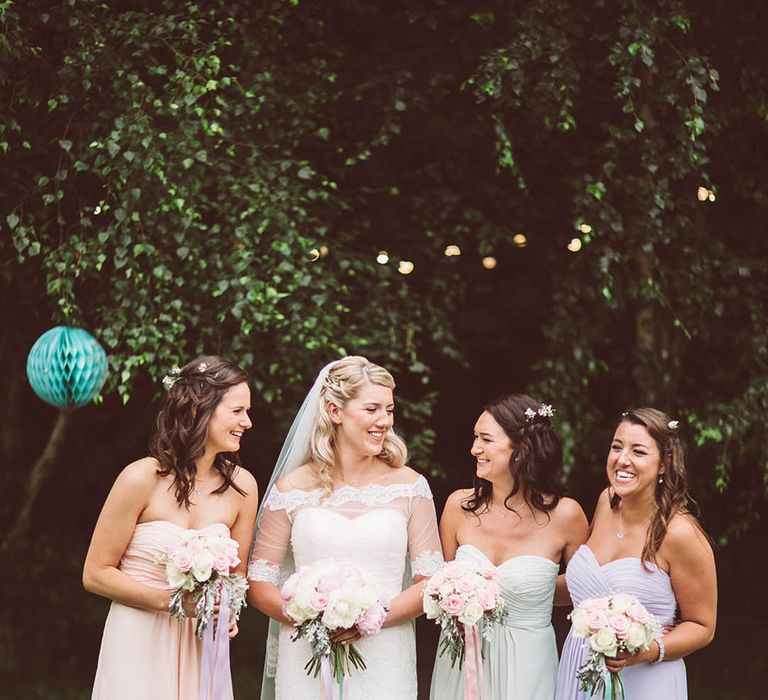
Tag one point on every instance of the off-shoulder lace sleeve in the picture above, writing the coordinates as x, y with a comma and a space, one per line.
273, 537
423, 539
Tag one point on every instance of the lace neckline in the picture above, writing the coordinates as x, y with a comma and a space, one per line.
368, 494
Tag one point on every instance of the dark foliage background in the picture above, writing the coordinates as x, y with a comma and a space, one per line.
220, 176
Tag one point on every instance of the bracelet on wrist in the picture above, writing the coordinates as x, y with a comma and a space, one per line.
660, 642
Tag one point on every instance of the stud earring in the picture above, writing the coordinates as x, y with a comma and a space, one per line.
661, 478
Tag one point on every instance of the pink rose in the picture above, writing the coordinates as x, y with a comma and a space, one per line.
433, 585
221, 563
319, 602
371, 620
289, 588
464, 585
453, 605
328, 583
592, 604
487, 595
194, 546
453, 570
182, 561
596, 620
639, 614
620, 625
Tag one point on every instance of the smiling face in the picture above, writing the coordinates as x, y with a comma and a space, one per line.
365, 420
492, 449
634, 463
229, 420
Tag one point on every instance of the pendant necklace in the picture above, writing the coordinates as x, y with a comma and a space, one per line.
620, 533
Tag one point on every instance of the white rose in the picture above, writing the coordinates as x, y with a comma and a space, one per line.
637, 637
340, 612
304, 594
604, 642
432, 608
446, 589
472, 613
202, 565
621, 602
176, 578
579, 621
297, 613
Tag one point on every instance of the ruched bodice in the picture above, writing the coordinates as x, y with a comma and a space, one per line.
520, 656
587, 578
147, 654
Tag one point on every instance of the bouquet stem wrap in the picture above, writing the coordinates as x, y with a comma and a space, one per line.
473, 671
326, 678
215, 677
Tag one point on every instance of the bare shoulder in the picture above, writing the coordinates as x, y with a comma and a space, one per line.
245, 480
686, 536
454, 502
141, 474
303, 478
568, 511
408, 475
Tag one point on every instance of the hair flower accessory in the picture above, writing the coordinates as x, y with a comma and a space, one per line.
171, 378
545, 411
672, 425
202, 367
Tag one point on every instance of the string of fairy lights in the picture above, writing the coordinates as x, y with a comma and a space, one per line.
406, 267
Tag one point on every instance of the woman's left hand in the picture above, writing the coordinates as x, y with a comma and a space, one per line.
623, 659
346, 636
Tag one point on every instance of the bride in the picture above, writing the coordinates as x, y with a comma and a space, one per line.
340, 491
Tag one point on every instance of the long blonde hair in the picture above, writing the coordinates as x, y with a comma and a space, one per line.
344, 381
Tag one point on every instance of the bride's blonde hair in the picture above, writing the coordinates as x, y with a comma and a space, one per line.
344, 381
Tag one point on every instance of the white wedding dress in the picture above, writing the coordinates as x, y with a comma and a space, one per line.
386, 530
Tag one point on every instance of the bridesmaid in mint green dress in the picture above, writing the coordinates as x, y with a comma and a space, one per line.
516, 520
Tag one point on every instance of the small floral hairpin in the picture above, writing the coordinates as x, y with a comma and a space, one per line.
171, 378
202, 367
545, 411
672, 425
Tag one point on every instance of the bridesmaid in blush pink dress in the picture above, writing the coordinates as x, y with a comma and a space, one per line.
192, 481
644, 541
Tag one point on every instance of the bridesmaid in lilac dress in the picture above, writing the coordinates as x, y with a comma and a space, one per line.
644, 541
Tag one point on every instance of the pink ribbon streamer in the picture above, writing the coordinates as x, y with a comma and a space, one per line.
215, 676
473, 664
325, 678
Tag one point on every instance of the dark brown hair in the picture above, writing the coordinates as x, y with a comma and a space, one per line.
671, 493
536, 460
182, 424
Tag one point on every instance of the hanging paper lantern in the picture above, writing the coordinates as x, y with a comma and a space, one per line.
66, 367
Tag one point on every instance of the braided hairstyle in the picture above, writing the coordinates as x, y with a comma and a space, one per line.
537, 455
181, 428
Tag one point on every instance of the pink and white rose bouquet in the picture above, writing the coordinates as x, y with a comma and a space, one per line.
457, 597
201, 564
614, 623
329, 596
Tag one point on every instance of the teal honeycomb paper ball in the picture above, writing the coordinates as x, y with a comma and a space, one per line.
66, 367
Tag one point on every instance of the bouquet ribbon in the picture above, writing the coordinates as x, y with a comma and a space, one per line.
473, 665
327, 681
215, 676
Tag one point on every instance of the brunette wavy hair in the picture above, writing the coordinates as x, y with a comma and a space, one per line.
181, 428
344, 381
536, 460
671, 492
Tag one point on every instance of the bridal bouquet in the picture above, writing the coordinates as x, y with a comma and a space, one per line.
457, 597
615, 623
200, 564
325, 597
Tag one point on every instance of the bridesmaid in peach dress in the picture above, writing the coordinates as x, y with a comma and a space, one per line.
192, 481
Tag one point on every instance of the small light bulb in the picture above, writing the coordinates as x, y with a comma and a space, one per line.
711, 196
585, 228
489, 262
314, 255
520, 240
575, 245
405, 267
702, 194
323, 251
452, 251
383, 257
